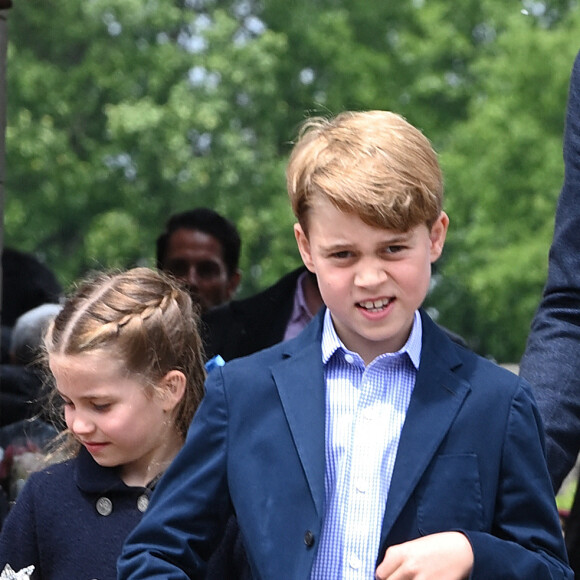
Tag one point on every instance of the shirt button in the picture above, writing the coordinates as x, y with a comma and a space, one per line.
349, 358
142, 503
309, 539
354, 562
361, 486
104, 506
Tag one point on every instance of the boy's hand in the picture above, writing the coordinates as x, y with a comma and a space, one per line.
443, 556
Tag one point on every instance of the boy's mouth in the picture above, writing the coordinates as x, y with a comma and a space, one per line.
375, 305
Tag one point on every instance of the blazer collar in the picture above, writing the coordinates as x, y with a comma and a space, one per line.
299, 378
437, 398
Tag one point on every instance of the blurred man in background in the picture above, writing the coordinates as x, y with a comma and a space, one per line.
202, 249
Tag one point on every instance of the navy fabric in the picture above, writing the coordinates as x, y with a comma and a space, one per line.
242, 327
55, 525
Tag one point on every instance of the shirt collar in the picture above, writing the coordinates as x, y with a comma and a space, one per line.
332, 343
299, 298
300, 315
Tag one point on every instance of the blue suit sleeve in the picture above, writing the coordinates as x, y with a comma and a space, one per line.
551, 362
189, 509
526, 540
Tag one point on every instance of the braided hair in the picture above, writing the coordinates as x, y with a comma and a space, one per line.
144, 319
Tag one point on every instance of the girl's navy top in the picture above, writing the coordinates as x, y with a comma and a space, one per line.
71, 520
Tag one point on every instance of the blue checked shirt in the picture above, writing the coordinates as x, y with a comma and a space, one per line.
365, 411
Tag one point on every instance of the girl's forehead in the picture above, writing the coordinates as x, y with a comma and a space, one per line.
89, 376
85, 364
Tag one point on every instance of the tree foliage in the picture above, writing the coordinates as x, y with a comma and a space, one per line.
504, 170
121, 112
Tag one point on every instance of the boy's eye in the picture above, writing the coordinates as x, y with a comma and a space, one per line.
342, 254
394, 249
101, 407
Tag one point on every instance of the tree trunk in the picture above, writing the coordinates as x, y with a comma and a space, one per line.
4, 6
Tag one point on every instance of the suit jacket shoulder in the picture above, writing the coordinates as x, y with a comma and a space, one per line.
242, 327
550, 361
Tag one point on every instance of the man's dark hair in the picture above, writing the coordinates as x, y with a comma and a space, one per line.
209, 222
26, 282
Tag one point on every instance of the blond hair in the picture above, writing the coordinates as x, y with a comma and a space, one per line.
373, 164
141, 318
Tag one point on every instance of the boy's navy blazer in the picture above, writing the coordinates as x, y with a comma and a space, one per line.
470, 458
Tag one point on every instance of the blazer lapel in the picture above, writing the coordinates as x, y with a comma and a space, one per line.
299, 379
437, 398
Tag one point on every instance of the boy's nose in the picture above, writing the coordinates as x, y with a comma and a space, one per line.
370, 275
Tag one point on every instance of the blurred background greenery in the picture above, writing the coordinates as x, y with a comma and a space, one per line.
121, 112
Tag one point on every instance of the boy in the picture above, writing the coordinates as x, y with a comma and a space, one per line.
370, 444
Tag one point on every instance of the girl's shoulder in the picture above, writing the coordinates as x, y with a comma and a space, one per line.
57, 469
57, 477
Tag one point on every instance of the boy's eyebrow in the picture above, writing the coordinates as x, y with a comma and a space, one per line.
398, 237
332, 248
389, 240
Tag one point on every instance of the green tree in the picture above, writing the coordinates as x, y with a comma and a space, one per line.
135, 110
121, 112
503, 168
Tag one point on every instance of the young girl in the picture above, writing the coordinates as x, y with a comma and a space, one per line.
127, 363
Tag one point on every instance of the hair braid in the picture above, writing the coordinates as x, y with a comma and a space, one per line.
142, 318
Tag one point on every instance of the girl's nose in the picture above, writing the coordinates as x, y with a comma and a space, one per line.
78, 423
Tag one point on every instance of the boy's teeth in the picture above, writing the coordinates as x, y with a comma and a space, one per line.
369, 304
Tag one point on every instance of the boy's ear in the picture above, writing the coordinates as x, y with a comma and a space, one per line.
437, 235
173, 388
303, 246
